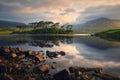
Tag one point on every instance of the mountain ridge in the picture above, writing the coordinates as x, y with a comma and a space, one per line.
98, 25
6, 24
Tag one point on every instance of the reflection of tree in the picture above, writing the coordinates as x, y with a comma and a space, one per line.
50, 41
41, 41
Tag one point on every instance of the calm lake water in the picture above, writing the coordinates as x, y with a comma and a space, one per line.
83, 51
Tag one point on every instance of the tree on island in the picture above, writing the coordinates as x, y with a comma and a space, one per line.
51, 27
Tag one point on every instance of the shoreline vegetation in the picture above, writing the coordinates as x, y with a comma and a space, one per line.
16, 63
111, 35
42, 27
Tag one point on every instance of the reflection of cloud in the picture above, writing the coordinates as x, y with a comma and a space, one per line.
80, 55
68, 48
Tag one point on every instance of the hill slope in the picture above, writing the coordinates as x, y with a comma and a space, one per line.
4, 24
113, 34
98, 25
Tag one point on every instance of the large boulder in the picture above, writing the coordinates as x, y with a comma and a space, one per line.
62, 75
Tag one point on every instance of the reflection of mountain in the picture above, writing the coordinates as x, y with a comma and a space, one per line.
98, 49
12, 40
96, 42
98, 25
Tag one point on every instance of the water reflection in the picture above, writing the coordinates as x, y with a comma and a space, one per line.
82, 51
96, 42
37, 41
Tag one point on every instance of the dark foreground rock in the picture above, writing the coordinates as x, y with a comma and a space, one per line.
17, 64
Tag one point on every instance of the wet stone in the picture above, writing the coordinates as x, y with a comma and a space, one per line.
39, 58
21, 56
6, 77
6, 50
13, 55
28, 78
62, 75
41, 69
53, 66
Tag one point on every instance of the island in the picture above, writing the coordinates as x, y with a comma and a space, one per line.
42, 27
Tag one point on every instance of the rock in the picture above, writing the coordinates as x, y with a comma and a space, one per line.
62, 53
62, 75
85, 76
21, 56
6, 50
13, 55
79, 73
41, 69
29, 66
2, 69
30, 52
51, 54
53, 66
44, 68
28, 78
19, 49
39, 58
54, 54
84, 69
105, 76
6, 77
41, 52
13, 50
10, 69
15, 65
1, 60
21, 71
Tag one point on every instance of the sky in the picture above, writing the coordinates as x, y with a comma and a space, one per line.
63, 11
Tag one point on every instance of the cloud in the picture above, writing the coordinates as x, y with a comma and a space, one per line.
93, 12
65, 11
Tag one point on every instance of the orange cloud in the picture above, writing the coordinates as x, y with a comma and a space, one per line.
59, 6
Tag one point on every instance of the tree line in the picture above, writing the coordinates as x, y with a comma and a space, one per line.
51, 27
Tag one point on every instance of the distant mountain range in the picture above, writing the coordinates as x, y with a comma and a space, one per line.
97, 25
5, 24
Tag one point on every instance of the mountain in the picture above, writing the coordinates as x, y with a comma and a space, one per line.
4, 24
98, 25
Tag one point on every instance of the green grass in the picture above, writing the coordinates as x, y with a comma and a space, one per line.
6, 30
111, 35
14, 30
112, 31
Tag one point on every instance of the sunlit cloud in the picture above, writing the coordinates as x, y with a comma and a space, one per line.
64, 11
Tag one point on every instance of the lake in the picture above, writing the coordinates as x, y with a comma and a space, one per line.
85, 51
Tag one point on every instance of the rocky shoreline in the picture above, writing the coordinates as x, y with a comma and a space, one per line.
17, 64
